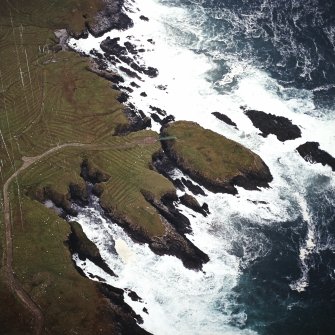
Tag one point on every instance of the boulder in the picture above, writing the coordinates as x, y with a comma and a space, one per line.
280, 126
310, 152
224, 118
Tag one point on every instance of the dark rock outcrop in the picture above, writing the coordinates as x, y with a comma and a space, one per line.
133, 84
125, 319
123, 97
111, 46
280, 126
91, 173
166, 120
224, 118
195, 189
192, 203
134, 296
130, 73
212, 160
166, 208
169, 118
163, 165
162, 87
310, 152
79, 244
126, 54
174, 242
110, 17
151, 72
96, 54
78, 193
131, 48
158, 110
62, 201
156, 118
176, 245
178, 184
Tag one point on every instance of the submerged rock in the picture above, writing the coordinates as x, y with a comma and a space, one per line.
213, 160
280, 126
310, 152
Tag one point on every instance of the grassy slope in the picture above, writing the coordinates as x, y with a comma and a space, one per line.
126, 160
48, 99
41, 258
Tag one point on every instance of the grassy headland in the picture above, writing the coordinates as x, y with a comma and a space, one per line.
214, 160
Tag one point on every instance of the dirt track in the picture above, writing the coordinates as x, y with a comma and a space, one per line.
12, 281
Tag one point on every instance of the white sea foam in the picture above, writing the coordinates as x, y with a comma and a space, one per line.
181, 301
174, 296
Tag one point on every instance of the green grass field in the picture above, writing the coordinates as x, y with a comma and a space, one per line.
209, 156
48, 99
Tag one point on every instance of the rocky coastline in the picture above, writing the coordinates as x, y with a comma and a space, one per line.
169, 237
176, 225
126, 320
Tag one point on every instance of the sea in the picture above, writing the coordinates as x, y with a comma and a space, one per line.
272, 252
